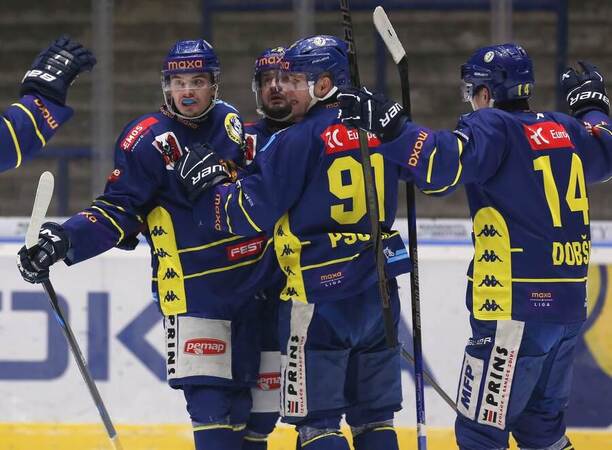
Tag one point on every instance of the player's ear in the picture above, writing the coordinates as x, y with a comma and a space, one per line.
323, 85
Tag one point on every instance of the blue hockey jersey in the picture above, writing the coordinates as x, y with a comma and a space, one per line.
192, 266
256, 135
526, 176
307, 191
26, 126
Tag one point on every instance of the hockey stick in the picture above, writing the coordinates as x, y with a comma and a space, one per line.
372, 204
389, 36
44, 193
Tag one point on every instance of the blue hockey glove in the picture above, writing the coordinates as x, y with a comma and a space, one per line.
200, 169
55, 68
53, 244
371, 112
586, 90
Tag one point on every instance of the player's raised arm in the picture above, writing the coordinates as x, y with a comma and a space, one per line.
27, 125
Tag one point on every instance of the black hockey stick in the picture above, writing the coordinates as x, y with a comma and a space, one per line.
44, 193
389, 36
366, 166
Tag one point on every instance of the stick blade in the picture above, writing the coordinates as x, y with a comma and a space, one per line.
388, 34
44, 192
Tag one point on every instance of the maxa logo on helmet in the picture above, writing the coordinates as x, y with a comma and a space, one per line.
339, 138
269, 381
245, 249
269, 60
185, 64
133, 136
547, 136
205, 346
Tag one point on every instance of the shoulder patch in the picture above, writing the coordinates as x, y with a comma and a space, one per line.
250, 148
168, 145
233, 127
132, 137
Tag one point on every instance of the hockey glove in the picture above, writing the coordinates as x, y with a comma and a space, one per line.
52, 246
586, 90
55, 68
371, 112
200, 169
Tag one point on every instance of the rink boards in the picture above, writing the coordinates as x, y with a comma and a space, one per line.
46, 405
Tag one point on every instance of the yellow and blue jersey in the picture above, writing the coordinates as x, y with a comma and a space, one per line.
526, 176
306, 190
26, 126
192, 266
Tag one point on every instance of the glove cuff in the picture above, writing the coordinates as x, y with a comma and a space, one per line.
32, 87
392, 134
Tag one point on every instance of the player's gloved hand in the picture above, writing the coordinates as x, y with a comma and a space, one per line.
53, 244
585, 90
200, 169
371, 112
55, 68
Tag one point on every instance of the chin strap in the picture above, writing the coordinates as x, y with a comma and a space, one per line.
314, 99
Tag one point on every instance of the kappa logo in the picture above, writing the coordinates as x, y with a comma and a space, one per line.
287, 250
205, 346
490, 305
269, 381
488, 231
135, 134
291, 292
170, 274
490, 256
547, 135
490, 281
170, 297
338, 138
158, 231
161, 253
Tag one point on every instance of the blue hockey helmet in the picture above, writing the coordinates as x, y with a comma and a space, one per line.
506, 70
190, 56
316, 55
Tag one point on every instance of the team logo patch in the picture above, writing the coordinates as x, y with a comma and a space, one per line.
233, 127
488, 57
547, 136
133, 136
339, 138
114, 176
500, 372
245, 249
168, 145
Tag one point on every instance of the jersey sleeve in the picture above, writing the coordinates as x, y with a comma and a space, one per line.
272, 185
592, 136
26, 126
119, 213
438, 161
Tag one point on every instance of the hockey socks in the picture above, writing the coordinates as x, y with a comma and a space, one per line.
218, 439
380, 438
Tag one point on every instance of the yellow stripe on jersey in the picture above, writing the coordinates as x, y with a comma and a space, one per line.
492, 286
212, 244
170, 280
15, 141
34, 124
430, 166
120, 208
457, 176
227, 217
248, 218
288, 250
112, 221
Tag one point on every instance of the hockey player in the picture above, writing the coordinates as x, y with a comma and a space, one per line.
307, 190
525, 175
28, 124
275, 112
202, 279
